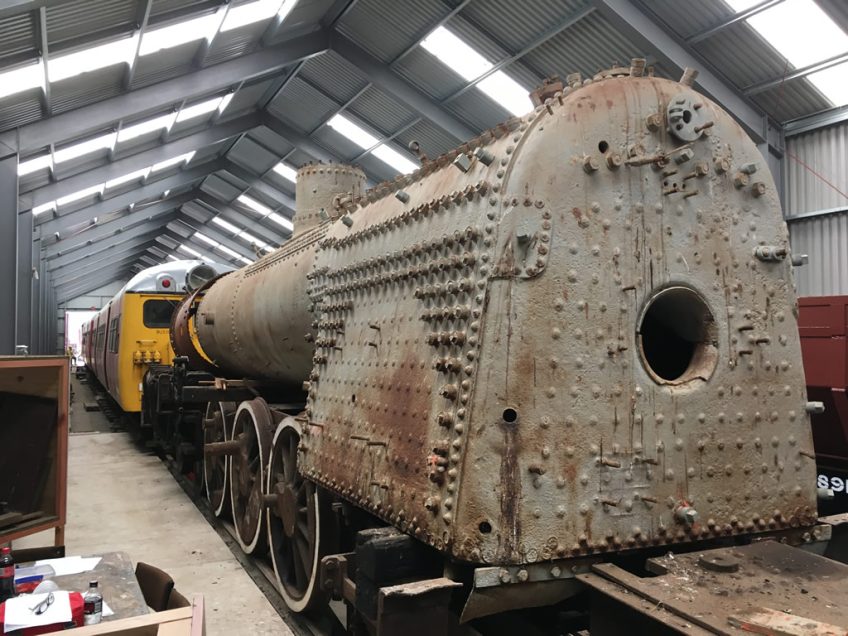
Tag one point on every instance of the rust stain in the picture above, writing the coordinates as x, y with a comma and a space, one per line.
510, 491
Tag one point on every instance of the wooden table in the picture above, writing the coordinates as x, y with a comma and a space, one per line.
116, 580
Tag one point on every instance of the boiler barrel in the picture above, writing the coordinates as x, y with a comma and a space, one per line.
256, 322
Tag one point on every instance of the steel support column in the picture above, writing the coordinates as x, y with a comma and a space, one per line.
8, 251
23, 325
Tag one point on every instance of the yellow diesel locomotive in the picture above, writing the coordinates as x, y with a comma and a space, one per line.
131, 332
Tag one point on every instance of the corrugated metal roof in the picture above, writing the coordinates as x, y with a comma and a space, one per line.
381, 111
289, 105
425, 72
162, 8
386, 27
432, 139
230, 44
515, 24
87, 88
692, 17
792, 100
17, 37
87, 18
165, 64
252, 156
333, 74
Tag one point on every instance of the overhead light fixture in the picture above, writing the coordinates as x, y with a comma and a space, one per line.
249, 13
32, 165
366, 140
44, 207
204, 27
103, 142
282, 221
22, 79
163, 122
197, 110
117, 52
466, 62
286, 171
167, 163
226, 225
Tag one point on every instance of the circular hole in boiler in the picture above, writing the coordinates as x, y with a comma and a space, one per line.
485, 527
603, 146
510, 415
353, 398
677, 337
687, 116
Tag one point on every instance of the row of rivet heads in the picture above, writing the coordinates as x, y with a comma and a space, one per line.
386, 188
445, 202
405, 521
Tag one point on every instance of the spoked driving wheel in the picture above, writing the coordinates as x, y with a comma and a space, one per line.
294, 523
252, 436
217, 427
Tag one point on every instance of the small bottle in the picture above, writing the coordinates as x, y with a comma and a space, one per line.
7, 574
92, 604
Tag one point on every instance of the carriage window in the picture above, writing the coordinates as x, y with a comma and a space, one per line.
157, 313
113, 335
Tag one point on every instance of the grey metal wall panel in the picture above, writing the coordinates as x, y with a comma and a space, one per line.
816, 167
825, 240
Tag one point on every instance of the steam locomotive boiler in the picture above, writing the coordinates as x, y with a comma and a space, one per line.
572, 338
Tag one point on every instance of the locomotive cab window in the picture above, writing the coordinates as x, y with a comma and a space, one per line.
157, 313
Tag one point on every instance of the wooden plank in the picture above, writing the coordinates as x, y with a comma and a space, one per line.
764, 620
128, 625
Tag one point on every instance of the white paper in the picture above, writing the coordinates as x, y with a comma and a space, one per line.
71, 565
107, 611
19, 612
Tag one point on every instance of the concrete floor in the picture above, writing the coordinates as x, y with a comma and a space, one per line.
122, 499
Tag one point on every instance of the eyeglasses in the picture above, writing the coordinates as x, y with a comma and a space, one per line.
43, 605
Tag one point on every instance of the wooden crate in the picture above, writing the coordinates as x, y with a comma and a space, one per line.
34, 407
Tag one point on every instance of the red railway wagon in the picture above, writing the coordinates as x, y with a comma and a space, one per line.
823, 325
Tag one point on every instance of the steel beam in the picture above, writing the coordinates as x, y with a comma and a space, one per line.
101, 208
822, 119
721, 26
130, 254
239, 218
90, 284
815, 214
102, 240
139, 102
139, 161
121, 224
643, 31
271, 193
8, 252
105, 249
798, 73
382, 77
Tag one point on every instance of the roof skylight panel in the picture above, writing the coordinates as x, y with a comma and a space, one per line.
172, 257
80, 194
206, 239
38, 163
44, 207
229, 252
286, 8
142, 128
132, 176
394, 159
203, 27
190, 250
286, 171
246, 261
117, 52
819, 37
252, 239
225, 101
22, 79
226, 225
254, 205
103, 142
197, 110
167, 163
249, 13
282, 221
832, 82
366, 140
463, 60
